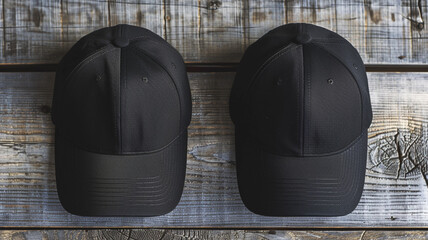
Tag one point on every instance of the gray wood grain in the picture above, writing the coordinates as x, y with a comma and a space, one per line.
28, 195
391, 31
382, 31
2, 26
195, 234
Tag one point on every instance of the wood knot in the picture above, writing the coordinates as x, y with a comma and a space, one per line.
214, 5
420, 25
400, 153
45, 109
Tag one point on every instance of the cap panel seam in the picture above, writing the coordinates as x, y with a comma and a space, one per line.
121, 81
302, 100
307, 106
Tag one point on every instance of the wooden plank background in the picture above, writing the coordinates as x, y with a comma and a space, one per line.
27, 181
390, 31
170, 234
218, 32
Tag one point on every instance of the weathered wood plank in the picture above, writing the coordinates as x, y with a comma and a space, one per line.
27, 181
383, 31
173, 234
390, 31
148, 14
2, 26
42, 30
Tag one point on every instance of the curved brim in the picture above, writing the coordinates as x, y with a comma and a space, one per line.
91, 184
274, 185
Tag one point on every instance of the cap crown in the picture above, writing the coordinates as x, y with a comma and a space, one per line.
121, 90
301, 90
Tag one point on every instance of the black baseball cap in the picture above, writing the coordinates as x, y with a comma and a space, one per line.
301, 108
121, 109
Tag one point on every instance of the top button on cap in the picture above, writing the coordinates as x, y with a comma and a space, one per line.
302, 38
121, 42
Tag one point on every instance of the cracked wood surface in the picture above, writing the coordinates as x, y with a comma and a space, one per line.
384, 32
395, 193
172, 234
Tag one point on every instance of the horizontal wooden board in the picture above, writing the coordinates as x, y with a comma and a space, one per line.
393, 196
177, 234
389, 31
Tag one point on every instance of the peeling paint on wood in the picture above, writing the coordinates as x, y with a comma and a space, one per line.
215, 31
211, 199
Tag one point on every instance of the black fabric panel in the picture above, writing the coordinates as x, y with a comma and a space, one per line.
275, 104
349, 56
255, 55
332, 114
150, 110
168, 57
90, 105
352, 60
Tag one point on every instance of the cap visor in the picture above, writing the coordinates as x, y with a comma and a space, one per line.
275, 185
92, 184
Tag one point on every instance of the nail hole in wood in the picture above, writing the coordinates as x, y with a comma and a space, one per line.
214, 5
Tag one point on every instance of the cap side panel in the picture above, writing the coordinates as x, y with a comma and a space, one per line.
333, 113
65, 72
255, 55
172, 62
350, 58
150, 104
90, 105
272, 107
